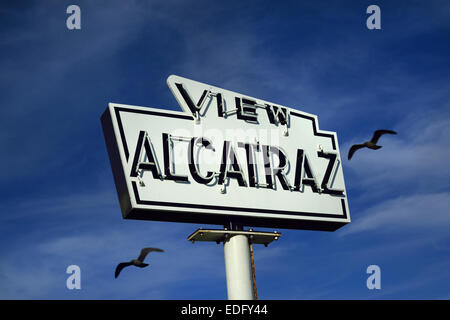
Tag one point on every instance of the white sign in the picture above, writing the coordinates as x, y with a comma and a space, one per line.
226, 157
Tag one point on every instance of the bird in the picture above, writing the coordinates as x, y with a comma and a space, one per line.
139, 262
372, 144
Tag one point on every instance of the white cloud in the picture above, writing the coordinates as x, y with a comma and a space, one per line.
415, 160
86, 229
437, 272
414, 213
36, 269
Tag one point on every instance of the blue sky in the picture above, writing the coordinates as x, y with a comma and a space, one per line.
58, 200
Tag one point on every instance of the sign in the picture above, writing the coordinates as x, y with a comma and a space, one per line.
226, 157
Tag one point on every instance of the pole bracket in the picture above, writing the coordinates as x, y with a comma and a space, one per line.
222, 235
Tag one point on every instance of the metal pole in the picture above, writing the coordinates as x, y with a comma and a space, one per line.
255, 290
238, 268
237, 244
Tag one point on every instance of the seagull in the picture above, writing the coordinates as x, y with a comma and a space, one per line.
372, 144
139, 262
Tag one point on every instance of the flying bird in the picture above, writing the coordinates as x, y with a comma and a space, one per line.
372, 144
139, 262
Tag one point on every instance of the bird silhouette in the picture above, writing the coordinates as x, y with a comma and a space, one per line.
139, 262
372, 144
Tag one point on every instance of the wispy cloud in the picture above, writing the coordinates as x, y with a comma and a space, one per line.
414, 213
34, 266
433, 273
416, 157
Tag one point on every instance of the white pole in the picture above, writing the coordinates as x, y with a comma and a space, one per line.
238, 268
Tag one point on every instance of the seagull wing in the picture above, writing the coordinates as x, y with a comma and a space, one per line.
377, 134
146, 251
353, 149
120, 266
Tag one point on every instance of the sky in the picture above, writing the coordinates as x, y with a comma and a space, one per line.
58, 201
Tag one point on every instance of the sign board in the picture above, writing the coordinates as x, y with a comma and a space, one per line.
226, 157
